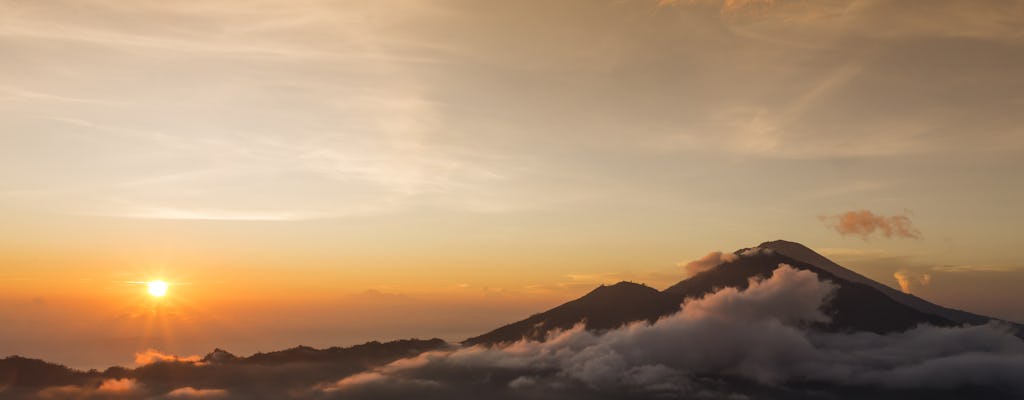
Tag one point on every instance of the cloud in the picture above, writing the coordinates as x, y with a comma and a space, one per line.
754, 335
189, 392
359, 379
707, 262
118, 386
865, 223
398, 140
151, 356
125, 388
909, 280
727, 6
974, 268
753, 343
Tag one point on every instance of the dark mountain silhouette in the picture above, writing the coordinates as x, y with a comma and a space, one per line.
368, 353
801, 253
21, 371
606, 307
219, 367
860, 304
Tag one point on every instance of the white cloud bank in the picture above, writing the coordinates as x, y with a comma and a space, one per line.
754, 335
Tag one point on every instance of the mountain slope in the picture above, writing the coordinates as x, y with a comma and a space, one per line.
856, 306
603, 308
803, 254
298, 364
860, 304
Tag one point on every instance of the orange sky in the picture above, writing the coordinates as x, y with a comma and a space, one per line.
324, 174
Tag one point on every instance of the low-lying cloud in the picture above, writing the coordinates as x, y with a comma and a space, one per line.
125, 388
752, 343
866, 223
151, 356
755, 335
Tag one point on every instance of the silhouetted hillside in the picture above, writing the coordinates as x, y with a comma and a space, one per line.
261, 371
606, 307
21, 371
730, 344
860, 304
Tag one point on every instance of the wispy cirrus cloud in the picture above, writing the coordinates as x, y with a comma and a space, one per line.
975, 268
438, 104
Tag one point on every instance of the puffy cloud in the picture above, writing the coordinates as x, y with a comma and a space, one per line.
758, 334
758, 342
908, 280
865, 223
791, 295
150, 356
707, 262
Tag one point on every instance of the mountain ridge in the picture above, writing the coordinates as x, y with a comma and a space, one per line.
861, 304
17, 371
803, 253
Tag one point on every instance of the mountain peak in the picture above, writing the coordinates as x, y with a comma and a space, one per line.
606, 307
780, 243
804, 254
861, 304
623, 287
219, 355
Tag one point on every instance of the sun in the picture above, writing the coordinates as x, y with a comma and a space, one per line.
157, 288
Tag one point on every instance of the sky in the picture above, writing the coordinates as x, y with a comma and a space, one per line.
327, 173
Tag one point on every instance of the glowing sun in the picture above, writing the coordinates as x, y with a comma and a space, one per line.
157, 288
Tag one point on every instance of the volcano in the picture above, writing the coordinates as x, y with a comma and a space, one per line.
873, 342
860, 304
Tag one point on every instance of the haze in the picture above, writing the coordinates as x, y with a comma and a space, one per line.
322, 173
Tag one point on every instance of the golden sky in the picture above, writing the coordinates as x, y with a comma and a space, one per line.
349, 164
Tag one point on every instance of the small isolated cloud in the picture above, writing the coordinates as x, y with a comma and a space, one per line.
865, 223
151, 356
189, 392
909, 281
711, 260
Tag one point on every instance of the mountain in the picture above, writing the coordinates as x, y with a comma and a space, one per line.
803, 254
606, 307
21, 371
755, 360
219, 367
860, 304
